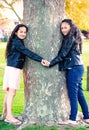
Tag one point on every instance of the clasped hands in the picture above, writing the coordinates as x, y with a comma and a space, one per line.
45, 63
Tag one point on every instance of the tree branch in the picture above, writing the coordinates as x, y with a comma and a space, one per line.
11, 7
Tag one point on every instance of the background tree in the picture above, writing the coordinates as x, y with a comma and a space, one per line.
45, 89
5, 4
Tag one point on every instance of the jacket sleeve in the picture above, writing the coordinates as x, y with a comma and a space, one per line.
21, 48
63, 52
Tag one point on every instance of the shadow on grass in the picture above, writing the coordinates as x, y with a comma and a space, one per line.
7, 126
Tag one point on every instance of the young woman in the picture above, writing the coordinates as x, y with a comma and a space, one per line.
15, 55
69, 59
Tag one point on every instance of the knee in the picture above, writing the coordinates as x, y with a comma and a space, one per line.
13, 94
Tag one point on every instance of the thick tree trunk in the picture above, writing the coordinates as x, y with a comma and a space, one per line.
45, 88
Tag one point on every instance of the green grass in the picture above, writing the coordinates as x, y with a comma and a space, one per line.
86, 53
6, 126
18, 104
39, 128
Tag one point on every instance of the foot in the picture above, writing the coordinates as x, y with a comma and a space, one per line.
68, 122
86, 121
13, 121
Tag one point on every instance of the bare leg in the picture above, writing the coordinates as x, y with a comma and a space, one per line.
10, 97
4, 112
9, 102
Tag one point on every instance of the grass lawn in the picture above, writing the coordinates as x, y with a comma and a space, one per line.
18, 104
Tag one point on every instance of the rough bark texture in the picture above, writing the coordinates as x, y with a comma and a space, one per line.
45, 88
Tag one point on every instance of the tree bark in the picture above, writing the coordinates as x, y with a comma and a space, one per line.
45, 88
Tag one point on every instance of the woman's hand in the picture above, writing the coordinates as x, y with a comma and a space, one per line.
45, 63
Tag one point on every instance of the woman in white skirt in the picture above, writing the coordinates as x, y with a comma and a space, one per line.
15, 56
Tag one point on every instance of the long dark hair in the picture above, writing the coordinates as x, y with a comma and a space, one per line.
75, 32
12, 36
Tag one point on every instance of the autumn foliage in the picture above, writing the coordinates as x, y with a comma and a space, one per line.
78, 11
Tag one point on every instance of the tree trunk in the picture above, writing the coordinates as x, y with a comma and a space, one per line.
45, 88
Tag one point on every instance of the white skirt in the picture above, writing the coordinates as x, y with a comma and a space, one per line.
11, 78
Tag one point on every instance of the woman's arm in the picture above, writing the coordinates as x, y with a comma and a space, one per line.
21, 48
63, 52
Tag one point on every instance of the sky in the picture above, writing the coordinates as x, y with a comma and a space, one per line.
10, 15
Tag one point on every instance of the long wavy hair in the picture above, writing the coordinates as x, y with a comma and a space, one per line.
74, 32
12, 36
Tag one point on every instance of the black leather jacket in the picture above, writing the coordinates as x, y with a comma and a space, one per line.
16, 57
68, 55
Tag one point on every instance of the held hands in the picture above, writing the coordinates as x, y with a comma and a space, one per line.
45, 63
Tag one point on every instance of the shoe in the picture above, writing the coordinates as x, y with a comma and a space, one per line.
68, 122
13, 122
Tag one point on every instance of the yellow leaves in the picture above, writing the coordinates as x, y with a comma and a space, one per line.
78, 11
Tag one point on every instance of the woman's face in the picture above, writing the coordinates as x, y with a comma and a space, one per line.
21, 33
65, 28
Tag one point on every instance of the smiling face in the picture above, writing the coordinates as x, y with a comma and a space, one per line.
65, 28
21, 33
